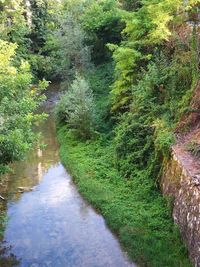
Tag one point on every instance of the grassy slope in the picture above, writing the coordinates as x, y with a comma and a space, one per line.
133, 208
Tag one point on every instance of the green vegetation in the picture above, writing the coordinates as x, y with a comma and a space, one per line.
19, 98
132, 208
76, 108
16, 112
145, 58
20, 91
129, 70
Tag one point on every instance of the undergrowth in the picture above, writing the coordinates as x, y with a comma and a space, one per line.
116, 172
133, 208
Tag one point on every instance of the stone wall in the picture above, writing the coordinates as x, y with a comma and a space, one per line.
181, 180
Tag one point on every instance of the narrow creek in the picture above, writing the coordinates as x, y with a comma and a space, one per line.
52, 225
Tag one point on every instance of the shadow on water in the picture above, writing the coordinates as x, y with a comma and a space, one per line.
7, 258
50, 224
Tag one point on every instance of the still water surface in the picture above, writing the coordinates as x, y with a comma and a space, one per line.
52, 226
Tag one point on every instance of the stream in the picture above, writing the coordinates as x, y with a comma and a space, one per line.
52, 225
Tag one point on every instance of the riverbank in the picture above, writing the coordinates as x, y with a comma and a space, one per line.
133, 208
59, 227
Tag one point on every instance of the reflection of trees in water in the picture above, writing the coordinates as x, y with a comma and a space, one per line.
40, 172
84, 209
7, 259
29, 172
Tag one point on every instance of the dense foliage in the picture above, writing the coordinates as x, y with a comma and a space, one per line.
156, 70
134, 209
18, 101
154, 47
19, 98
129, 70
76, 108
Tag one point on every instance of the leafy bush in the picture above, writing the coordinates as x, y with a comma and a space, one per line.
100, 80
67, 47
77, 109
102, 22
133, 144
18, 102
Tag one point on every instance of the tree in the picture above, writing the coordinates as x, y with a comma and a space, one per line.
102, 22
39, 18
148, 27
77, 109
18, 102
14, 27
67, 47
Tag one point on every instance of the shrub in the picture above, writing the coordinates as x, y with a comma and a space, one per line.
18, 102
77, 109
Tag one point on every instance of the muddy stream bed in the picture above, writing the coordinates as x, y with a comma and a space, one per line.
52, 225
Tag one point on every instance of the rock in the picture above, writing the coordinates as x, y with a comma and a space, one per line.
2, 197
24, 189
196, 180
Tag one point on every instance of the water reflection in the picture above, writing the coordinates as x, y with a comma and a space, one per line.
7, 259
52, 225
